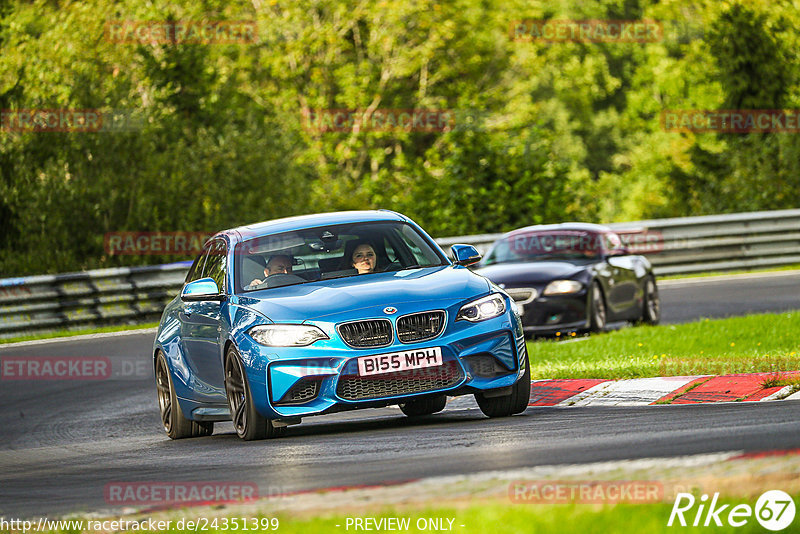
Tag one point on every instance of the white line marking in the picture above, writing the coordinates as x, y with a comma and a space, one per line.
793, 396
572, 401
634, 392
724, 278
778, 395
79, 338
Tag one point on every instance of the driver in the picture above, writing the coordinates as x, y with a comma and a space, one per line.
278, 264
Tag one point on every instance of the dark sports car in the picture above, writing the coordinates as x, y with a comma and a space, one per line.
572, 276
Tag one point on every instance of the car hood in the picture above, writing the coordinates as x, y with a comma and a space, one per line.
531, 272
342, 298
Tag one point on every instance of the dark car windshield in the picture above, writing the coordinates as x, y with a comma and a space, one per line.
546, 246
328, 252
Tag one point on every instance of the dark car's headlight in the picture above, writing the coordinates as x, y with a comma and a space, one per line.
484, 308
286, 335
562, 287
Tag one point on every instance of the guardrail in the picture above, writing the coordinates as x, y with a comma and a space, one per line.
703, 244
138, 294
125, 295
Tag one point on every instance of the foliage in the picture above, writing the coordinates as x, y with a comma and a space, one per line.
544, 132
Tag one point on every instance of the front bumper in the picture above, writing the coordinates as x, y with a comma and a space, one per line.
323, 378
547, 315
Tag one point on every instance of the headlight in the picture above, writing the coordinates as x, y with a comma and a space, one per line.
484, 308
562, 287
286, 335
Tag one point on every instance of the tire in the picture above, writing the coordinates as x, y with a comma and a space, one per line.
598, 314
426, 406
512, 404
175, 424
248, 423
651, 307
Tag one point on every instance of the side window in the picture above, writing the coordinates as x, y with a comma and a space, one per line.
196, 270
415, 244
391, 255
215, 264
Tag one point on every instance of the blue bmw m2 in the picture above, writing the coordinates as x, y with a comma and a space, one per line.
322, 313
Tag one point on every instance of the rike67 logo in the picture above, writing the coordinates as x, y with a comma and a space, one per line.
774, 510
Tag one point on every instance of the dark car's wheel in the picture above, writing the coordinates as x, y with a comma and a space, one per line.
249, 424
597, 309
172, 419
424, 406
651, 310
507, 405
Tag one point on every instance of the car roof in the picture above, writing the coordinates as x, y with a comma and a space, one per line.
586, 227
300, 222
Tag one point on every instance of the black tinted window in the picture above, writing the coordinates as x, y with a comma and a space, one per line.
196, 270
215, 264
327, 252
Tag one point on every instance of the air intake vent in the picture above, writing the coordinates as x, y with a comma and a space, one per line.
522, 295
354, 387
485, 366
365, 334
420, 326
303, 391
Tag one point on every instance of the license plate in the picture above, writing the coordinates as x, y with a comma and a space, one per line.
399, 361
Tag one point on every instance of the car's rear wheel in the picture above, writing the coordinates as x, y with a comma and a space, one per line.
651, 311
507, 405
597, 309
249, 424
172, 419
426, 406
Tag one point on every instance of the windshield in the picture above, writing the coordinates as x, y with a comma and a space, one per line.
331, 252
546, 246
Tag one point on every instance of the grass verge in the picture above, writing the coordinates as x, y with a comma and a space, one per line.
84, 331
750, 344
519, 518
478, 516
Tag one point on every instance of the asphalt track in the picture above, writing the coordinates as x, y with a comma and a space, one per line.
62, 441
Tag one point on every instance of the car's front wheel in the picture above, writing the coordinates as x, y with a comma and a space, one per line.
651, 312
597, 309
507, 405
426, 406
249, 424
172, 419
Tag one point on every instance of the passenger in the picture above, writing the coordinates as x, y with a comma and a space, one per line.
360, 255
364, 259
278, 264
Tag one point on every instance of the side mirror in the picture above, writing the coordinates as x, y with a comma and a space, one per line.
465, 254
203, 289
